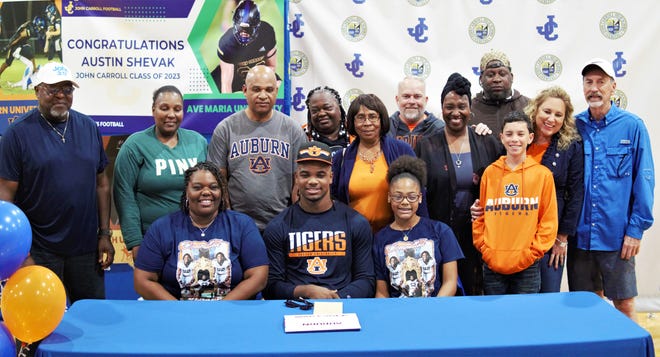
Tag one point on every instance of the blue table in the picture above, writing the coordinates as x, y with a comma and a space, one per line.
558, 324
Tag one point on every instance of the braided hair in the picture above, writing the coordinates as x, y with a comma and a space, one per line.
311, 132
215, 171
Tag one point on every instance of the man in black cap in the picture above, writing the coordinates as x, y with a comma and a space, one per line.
318, 248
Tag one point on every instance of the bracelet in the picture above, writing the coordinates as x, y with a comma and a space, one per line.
104, 232
562, 244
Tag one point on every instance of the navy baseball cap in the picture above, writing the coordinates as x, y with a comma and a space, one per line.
315, 151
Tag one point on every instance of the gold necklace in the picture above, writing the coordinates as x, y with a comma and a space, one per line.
57, 131
405, 232
371, 161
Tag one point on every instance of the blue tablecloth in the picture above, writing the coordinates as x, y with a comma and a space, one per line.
558, 324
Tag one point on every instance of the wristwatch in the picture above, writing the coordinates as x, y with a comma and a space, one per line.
562, 244
104, 232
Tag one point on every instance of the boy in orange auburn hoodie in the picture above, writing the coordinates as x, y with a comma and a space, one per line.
519, 223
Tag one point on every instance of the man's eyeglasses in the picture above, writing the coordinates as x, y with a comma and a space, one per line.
51, 91
372, 118
299, 303
411, 197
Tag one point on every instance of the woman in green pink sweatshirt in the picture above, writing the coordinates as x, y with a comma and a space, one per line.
148, 174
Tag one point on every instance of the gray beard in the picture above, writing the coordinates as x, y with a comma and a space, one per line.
412, 118
59, 115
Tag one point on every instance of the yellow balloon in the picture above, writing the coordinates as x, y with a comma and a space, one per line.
33, 303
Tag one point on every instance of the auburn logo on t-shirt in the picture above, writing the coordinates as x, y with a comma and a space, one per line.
260, 165
317, 266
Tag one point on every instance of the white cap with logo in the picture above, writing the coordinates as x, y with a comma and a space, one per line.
599, 63
54, 72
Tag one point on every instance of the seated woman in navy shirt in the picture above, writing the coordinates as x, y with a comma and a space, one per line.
203, 251
413, 256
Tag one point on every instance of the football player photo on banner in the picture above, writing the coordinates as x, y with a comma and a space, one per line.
30, 36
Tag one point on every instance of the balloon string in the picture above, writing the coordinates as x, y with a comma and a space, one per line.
25, 349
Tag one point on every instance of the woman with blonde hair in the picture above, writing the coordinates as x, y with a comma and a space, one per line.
558, 146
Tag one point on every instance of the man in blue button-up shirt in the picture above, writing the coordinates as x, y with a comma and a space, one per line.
618, 199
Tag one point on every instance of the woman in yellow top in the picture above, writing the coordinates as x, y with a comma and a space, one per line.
360, 171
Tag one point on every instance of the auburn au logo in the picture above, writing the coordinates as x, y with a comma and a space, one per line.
260, 165
317, 266
511, 190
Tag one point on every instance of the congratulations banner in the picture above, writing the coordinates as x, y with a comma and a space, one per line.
122, 50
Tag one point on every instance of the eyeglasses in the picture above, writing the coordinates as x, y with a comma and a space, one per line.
411, 197
299, 303
372, 118
51, 91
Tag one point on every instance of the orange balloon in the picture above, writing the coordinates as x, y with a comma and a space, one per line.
33, 303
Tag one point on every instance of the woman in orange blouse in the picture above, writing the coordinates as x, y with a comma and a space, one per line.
360, 171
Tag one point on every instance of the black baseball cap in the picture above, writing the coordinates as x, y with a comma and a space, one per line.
315, 151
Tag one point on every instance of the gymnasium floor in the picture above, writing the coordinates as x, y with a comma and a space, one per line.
651, 322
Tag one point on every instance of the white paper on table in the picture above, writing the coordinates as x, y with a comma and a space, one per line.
310, 323
328, 308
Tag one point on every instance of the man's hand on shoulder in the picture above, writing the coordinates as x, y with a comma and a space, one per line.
482, 129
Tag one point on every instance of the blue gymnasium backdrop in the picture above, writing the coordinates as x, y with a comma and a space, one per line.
122, 50
367, 46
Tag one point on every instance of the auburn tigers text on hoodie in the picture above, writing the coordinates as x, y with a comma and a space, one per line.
520, 221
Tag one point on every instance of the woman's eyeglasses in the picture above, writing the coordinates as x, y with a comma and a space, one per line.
372, 118
299, 303
411, 197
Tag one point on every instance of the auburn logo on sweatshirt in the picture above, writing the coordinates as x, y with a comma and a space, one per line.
518, 204
512, 203
511, 190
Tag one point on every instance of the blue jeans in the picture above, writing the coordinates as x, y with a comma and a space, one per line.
81, 275
527, 281
550, 277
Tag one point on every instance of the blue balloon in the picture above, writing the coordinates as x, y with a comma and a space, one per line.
15, 238
7, 342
